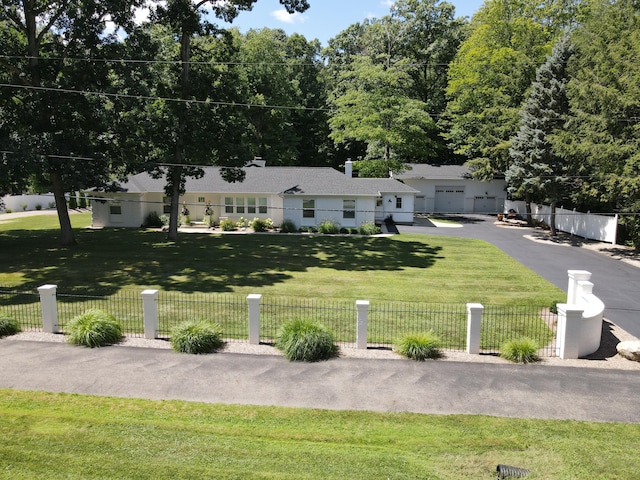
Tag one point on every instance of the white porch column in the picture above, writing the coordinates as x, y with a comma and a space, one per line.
474, 320
362, 307
575, 276
569, 330
49, 307
254, 318
150, 313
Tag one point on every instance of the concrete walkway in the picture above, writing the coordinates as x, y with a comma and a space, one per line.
432, 387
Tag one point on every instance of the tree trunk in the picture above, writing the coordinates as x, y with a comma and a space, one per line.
553, 219
67, 238
174, 175
527, 203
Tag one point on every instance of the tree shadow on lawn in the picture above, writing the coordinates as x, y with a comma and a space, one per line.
104, 261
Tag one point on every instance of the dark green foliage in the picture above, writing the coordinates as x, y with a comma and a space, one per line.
197, 337
419, 346
94, 328
522, 350
153, 220
82, 203
328, 227
288, 226
8, 325
228, 225
369, 228
259, 225
73, 201
307, 341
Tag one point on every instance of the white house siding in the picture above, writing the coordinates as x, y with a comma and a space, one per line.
458, 196
130, 208
328, 208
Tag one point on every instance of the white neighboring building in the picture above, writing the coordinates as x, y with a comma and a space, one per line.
304, 195
450, 189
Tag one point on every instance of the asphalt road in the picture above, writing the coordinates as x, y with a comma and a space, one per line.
616, 283
431, 387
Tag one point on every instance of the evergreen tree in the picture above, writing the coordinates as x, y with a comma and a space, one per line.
537, 172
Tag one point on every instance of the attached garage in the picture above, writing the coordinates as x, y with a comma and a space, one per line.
449, 199
484, 204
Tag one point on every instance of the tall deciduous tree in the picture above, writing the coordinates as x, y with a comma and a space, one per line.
491, 75
187, 21
49, 47
537, 171
603, 136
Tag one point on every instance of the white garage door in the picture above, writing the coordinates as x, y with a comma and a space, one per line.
449, 200
485, 205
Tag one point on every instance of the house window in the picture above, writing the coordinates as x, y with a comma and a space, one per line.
228, 205
239, 205
166, 207
379, 202
115, 209
201, 200
348, 209
251, 205
308, 209
262, 205
398, 202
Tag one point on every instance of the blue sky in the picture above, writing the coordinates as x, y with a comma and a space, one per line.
326, 18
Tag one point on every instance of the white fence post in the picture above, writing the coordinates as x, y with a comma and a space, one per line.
575, 276
48, 304
474, 320
254, 318
569, 331
362, 307
150, 313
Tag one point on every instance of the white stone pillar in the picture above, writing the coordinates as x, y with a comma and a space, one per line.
49, 307
254, 318
362, 306
474, 320
569, 330
150, 313
575, 276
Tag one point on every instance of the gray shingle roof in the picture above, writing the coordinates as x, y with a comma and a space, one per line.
275, 180
436, 172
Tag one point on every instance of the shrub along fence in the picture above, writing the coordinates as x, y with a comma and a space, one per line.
254, 319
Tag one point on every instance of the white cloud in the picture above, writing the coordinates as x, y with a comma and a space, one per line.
387, 3
291, 18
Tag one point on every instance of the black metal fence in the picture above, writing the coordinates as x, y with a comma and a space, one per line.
24, 306
387, 322
229, 311
338, 316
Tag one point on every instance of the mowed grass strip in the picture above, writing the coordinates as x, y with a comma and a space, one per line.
404, 268
57, 436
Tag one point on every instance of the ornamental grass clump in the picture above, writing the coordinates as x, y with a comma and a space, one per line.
197, 337
306, 341
419, 346
8, 325
94, 328
522, 350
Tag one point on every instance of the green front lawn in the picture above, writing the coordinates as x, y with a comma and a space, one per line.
406, 268
58, 436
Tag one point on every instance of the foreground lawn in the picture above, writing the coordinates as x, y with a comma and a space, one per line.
407, 268
59, 436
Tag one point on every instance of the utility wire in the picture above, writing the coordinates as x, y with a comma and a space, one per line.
152, 98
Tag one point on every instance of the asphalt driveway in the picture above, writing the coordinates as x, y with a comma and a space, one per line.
616, 283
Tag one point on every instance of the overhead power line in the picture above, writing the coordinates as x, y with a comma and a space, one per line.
153, 98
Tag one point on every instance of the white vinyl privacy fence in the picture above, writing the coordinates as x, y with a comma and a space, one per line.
587, 225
